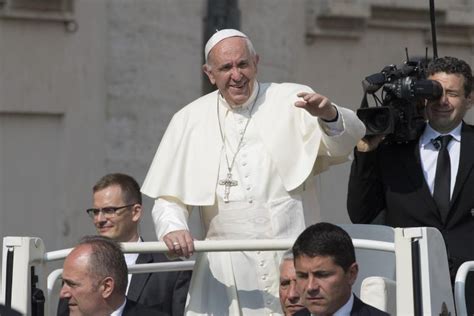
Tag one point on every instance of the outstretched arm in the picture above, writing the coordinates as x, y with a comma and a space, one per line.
317, 105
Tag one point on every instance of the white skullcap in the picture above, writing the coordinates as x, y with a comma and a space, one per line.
219, 36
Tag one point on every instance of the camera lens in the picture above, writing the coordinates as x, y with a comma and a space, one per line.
379, 122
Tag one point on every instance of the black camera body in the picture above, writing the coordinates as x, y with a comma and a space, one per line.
399, 113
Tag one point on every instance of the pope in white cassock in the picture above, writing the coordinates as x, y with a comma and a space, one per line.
246, 155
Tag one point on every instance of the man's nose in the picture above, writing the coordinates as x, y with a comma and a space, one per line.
444, 98
236, 75
313, 285
100, 217
64, 293
293, 294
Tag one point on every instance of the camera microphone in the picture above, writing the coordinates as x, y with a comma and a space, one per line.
436, 143
373, 82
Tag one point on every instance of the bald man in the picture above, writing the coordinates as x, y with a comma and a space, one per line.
95, 279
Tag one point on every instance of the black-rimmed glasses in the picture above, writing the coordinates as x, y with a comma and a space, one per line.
107, 211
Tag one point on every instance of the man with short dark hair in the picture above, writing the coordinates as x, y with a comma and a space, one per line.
95, 280
428, 181
116, 214
326, 269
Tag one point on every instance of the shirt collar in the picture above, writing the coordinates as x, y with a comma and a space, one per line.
119, 311
429, 133
131, 258
345, 309
244, 106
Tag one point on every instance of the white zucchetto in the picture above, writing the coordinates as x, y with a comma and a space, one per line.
219, 36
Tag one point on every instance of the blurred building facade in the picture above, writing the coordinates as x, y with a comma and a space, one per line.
88, 87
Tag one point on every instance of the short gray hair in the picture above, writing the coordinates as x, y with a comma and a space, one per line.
287, 255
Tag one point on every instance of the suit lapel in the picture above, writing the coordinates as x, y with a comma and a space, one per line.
466, 159
409, 156
356, 306
139, 280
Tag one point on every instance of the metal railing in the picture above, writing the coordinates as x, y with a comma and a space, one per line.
224, 245
460, 285
200, 246
435, 283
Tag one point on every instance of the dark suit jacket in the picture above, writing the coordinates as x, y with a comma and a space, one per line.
358, 309
167, 291
6, 311
163, 291
391, 178
136, 309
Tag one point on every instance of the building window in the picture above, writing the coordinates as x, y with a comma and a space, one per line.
47, 10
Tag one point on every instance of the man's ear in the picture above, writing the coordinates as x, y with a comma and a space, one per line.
352, 272
107, 287
207, 70
470, 100
137, 212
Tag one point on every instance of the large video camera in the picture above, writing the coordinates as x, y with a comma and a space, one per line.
399, 112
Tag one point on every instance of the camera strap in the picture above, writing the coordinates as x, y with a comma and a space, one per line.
364, 103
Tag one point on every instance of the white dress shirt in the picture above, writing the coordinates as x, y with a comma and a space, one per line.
119, 311
429, 154
131, 258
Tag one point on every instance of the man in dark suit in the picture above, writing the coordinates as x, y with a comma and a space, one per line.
116, 214
403, 179
95, 280
326, 269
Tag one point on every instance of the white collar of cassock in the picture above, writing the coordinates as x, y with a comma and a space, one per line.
243, 106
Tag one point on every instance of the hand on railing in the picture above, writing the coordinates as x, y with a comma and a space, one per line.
180, 243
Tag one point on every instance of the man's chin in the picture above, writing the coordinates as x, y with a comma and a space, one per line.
74, 310
106, 232
316, 307
294, 308
237, 97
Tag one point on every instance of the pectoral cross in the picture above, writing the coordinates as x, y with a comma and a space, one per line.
228, 182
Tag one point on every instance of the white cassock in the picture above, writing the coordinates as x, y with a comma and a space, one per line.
282, 147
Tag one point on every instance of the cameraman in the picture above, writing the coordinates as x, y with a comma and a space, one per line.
403, 179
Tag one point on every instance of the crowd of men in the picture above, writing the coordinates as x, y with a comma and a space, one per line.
246, 156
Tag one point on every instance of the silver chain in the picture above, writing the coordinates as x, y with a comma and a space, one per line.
231, 165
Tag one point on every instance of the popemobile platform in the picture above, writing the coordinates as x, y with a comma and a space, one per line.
403, 271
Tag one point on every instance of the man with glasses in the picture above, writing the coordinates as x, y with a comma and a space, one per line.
116, 214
